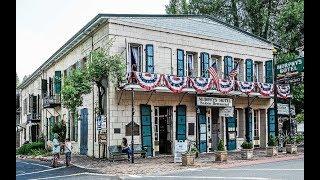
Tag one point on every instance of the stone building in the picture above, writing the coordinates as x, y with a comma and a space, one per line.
163, 45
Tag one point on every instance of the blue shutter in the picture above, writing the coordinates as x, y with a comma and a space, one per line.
204, 64
149, 58
228, 62
269, 75
146, 128
271, 123
249, 70
180, 62
248, 123
57, 82
181, 123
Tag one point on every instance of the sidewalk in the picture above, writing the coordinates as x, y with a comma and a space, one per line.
164, 164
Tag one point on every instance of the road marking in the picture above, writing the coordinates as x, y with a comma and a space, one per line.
193, 169
76, 174
34, 164
199, 177
51, 169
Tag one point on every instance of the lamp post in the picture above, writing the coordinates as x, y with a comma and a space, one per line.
275, 90
132, 114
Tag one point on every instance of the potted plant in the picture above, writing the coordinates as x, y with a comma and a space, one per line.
291, 146
272, 147
247, 150
195, 151
221, 154
188, 158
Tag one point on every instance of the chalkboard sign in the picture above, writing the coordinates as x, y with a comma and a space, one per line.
136, 131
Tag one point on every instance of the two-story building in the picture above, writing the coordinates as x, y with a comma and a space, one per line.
174, 94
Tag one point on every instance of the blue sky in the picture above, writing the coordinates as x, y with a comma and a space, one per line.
43, 26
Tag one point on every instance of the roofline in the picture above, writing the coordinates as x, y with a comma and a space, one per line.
99, 16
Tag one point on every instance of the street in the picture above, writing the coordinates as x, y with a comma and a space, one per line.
291, 169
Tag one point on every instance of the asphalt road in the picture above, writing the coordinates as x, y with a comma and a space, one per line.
292, 169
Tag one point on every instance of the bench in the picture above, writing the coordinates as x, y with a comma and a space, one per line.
116, 151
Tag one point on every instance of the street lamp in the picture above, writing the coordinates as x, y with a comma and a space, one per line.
132, 114
275, 90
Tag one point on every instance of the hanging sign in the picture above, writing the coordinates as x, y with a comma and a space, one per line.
226, 112
98, 123
179, 148
290, 68
213, 101
283, 109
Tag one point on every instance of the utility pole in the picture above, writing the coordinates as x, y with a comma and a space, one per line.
132, 114
275, 90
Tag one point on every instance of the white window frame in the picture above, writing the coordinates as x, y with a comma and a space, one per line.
188, 54
256, 72
256, 123
141, 67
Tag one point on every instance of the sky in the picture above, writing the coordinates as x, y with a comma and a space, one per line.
43, 26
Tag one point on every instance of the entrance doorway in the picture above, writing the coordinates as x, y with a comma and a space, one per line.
34, 129
215, 128
164, 128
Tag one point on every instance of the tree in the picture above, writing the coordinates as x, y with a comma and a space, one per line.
177, 7
74, 86
24, 78
105, 67
17, 80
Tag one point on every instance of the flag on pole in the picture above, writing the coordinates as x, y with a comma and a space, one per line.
234, 71
213, 71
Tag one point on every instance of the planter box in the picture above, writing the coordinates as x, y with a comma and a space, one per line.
291, 148
221, 156
272, 151
188, 159
246, 153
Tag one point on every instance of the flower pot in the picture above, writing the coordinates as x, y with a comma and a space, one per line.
246, 153
291, 148
188, 159
272, 151
221, 156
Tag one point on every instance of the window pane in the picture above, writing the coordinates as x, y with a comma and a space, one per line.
180, 54
149, 50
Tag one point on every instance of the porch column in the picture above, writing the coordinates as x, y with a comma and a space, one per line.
263, 128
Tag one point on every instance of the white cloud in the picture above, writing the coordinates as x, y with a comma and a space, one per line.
43, 26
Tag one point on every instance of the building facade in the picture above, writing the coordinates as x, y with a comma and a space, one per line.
173, 50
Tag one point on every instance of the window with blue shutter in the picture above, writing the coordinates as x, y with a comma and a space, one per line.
57, 82
269, 75
228, 65
149, 58
204, 57
249, 70
181, 123
180, 62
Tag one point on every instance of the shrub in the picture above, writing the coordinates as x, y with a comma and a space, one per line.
299, 138
271, 141
221, 145
25, 149
247, 145
38, 152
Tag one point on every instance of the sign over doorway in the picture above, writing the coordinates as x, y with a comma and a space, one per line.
214, 101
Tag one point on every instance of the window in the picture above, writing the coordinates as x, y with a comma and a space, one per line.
228, 65
269, 76
149, 58
180, 62
249, 70
204, 64
256, 72
256, 123
135, 56
50, 87
57, 82
190, 67
44, 87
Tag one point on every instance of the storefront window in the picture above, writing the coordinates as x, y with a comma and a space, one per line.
256, 123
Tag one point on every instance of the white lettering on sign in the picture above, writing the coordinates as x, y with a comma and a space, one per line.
180, 147
213, 101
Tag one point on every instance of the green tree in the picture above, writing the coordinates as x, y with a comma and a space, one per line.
177, 7
105, 67
17, 80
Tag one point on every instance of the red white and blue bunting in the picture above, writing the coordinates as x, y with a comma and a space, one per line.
201, 84
246, 87
175, 84
148, 81
283, 90
225, 85
266, 89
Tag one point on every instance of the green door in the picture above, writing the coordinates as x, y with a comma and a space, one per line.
181, 123
248, 114
271, 122
231, 124
146, 128
202, 130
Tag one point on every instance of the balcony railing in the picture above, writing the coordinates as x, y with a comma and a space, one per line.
33, 117
52, 101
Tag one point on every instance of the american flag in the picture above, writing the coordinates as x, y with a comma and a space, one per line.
234, 71
213, 71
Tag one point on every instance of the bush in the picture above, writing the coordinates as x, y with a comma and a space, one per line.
299, 138
221, 145
271, 141
38, 152
25, 149
247, 145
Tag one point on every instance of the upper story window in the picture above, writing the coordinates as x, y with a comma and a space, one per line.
249, 70
236, 64
135, 56
218, 60
192, 64
204, 57
228, 66
149, 58
57, 82
180, 62
257, 71
269, 75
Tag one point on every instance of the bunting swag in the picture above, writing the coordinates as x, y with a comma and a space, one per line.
246, 87
200, 84
225, 85
148, 81
266, 89
175, 83
283, 90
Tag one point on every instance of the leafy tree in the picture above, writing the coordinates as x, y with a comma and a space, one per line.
17, 80
105, 67
60, 129
74, 86
177, 7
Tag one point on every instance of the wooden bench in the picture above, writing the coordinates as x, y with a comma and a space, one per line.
116, 151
